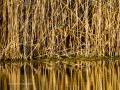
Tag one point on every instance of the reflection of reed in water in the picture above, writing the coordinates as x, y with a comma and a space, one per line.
79, 75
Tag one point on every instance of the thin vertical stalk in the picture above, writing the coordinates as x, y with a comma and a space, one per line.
70, 24
53, 34
99, 28
4, 22
118, 31
27, 8
86, 28
3, 30
16, 29
77, 2
109, 18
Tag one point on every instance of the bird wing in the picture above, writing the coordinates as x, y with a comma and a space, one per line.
60, 29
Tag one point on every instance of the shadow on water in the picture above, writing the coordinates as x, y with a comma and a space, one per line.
60, 75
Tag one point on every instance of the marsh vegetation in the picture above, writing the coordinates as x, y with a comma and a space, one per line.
28, 28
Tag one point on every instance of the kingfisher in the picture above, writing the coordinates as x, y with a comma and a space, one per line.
60, 28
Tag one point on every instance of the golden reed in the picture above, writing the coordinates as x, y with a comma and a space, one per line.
28, 28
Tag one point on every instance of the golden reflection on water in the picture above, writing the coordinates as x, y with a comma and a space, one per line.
60, 75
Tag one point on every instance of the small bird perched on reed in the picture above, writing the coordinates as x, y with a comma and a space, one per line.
60, 28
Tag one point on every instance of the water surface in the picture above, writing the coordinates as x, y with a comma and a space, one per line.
60, 75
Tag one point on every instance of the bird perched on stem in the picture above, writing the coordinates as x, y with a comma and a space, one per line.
60, 28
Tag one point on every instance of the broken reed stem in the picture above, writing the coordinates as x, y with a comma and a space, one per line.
28, 28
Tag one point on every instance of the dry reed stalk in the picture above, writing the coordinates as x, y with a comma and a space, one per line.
16, 29
86, 28
118, 31
27, 10
13, 29
109, 21
3, 41
70, 26
76, 3
1, 3
10, 26
53, 34
3, 29
99, 27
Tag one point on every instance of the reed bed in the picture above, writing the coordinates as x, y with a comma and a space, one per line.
28, 28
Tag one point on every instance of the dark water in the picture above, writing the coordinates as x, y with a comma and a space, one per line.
60, 75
